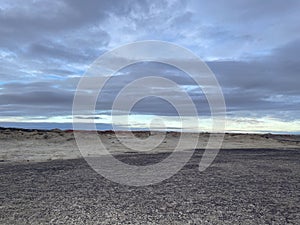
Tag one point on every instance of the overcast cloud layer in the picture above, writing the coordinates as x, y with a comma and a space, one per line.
251, 46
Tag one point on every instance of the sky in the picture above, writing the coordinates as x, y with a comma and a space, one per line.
251, 46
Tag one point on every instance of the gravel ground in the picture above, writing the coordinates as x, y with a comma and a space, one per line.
249, 186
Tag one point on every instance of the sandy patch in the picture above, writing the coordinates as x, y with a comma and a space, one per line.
19, 145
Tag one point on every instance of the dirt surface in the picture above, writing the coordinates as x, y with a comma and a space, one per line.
21, 145
242, 186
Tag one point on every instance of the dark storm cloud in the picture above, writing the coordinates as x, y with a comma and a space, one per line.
35, 99
37, 19
277, 73
40, 98
268, 84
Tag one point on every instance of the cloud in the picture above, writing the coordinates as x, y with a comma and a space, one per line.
252, 47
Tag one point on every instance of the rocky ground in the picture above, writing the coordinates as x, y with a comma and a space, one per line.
242, 186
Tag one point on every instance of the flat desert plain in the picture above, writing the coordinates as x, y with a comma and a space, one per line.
255, 179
